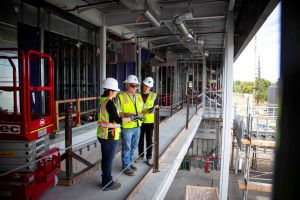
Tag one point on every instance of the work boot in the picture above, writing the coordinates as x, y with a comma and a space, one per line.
149, 162
138, 159
129, 172
133, 167
116, 185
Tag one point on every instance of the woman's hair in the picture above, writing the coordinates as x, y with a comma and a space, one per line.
106, 92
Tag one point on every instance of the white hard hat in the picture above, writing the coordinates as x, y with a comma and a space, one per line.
132, 79
111, 83
148, 82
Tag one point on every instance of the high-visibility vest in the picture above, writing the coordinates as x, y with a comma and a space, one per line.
130, 108
149, 117
106, 129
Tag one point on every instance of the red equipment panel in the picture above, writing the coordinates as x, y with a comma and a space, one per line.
21, 123
25, 186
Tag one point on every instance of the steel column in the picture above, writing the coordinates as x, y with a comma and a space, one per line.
203, 84
139, 61
102, 71
226, 131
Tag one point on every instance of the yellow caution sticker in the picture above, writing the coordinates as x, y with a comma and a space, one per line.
7, 154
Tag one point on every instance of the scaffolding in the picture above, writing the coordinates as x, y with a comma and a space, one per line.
255, 137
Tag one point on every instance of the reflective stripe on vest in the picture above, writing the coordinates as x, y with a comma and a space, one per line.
149, 117
106, 129
130, 108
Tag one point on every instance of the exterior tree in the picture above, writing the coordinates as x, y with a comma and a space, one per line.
243, 87
261, 90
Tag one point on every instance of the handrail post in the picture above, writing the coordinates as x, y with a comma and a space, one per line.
68, 140
78, 120
156, 141
57, 115
171, 110
196, 105
187, 111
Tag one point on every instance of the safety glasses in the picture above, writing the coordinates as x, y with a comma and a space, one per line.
133, 86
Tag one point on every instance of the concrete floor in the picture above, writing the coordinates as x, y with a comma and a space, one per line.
199, 178
90, 188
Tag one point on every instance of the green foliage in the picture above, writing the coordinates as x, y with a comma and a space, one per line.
259, 88
243, 87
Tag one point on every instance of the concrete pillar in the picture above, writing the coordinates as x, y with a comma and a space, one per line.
203, 84
102, 40
227, 109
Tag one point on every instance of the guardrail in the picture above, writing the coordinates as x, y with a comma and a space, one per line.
77, 114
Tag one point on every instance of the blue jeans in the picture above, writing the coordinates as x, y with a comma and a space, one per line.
130, 140
108, 149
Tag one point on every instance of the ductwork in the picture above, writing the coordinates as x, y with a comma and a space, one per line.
159, 59
180, 24
140, 7
149, 16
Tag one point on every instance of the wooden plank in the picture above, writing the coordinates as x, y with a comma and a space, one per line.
88, 98
57, 116
255, 186
88, 111
78, 121
264, 143
66, 101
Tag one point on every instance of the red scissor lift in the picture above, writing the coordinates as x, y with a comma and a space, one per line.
27, 165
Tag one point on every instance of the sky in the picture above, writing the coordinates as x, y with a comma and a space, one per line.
267, 47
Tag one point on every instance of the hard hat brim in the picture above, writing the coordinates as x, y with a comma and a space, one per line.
130, 82
118, 90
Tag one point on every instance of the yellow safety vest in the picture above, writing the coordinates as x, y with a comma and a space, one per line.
107, 130
129, 108
149, 117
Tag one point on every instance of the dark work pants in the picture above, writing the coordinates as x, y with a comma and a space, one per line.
108, 149
146, 129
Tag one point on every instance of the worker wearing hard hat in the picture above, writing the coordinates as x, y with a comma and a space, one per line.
151, 102
108, 132
131, 104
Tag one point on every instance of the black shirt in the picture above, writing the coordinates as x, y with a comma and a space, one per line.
113, 113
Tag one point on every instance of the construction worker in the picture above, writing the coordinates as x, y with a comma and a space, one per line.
130, 104
150, 100
108, 132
